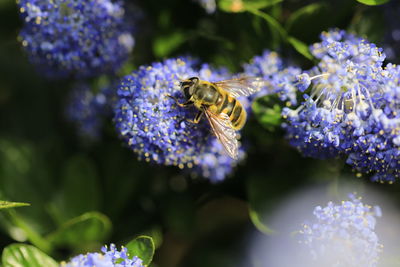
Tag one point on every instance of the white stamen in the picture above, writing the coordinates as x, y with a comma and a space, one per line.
318, 76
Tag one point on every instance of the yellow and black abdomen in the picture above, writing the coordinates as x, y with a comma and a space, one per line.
233, 108
219, 101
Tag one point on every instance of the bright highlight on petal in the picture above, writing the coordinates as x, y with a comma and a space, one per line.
343, 235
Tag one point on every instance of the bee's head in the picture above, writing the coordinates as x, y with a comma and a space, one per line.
187, 86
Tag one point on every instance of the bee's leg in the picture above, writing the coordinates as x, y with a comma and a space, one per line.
197, 118
187, 103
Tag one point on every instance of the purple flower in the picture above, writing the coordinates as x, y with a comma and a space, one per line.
279, 79
75, 38
352, 108
111, 257
87, 108
343, 234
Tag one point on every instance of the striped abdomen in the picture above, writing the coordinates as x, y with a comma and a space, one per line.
219, 101
233, 108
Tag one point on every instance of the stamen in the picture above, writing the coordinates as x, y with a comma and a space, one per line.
319, 76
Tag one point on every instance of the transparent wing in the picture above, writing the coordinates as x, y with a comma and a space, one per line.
244, 86
222, 128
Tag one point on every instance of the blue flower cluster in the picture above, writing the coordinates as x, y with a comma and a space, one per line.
344, 234
158, 131
110, 257
278, 78
87, 108
78, 38
214, 164
352, 108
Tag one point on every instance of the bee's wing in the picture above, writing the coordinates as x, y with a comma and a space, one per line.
243, 86
222, 128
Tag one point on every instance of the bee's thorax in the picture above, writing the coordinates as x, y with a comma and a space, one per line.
206, 93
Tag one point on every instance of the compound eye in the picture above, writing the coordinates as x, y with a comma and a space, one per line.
194, 79
186, 83
186, 92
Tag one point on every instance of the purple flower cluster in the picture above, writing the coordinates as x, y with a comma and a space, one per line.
87, 108
110, 257
215, 165
158, 131
352, 108
75, 38
343, 234
278, 78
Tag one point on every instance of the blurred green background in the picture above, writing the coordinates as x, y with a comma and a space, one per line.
85, 194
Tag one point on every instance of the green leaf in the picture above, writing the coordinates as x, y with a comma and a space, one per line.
373, 2
79, 190
261, 202
256, 220
275, 25
266, 193
243, 5
321, 12
28, 231
142, 247
368, 22
20, 255
25, 176
300, 47
270, 20
165, 45
303, 12
7, 204
91, 227
6, 4
156, 234
267, 112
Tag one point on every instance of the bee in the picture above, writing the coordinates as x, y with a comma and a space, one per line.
218, 101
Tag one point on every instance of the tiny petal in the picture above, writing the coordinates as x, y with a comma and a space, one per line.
279, 79
87, 109
303, 81
110, 257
